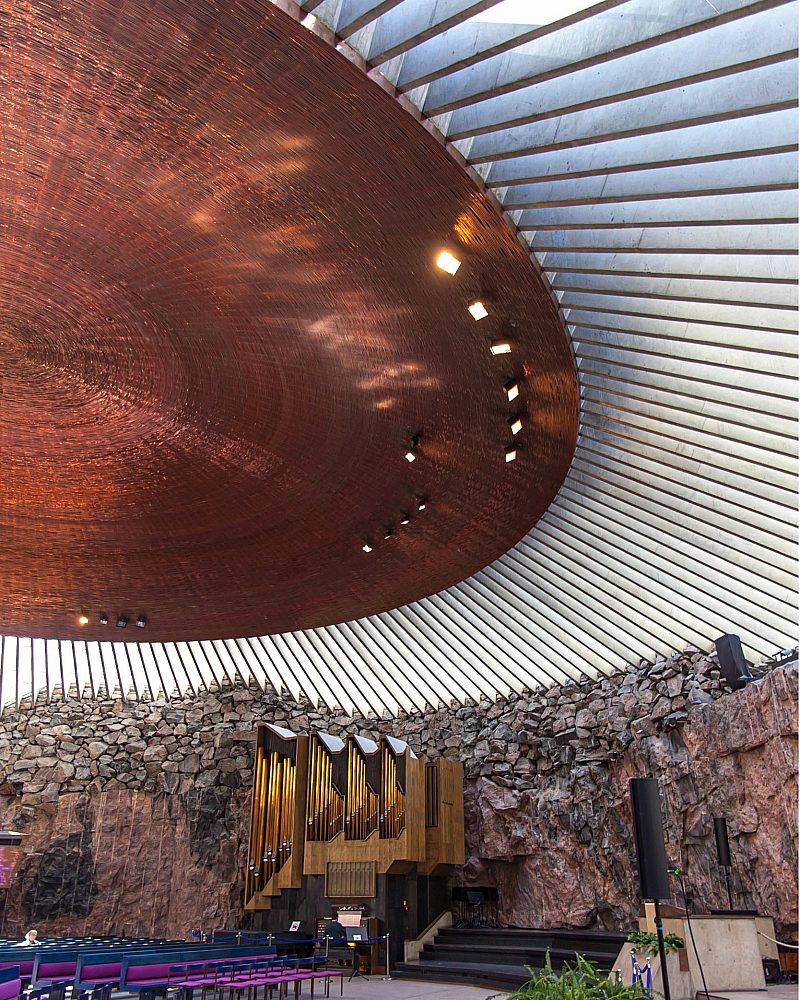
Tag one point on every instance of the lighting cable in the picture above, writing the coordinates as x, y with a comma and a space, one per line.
677, 871
783, 944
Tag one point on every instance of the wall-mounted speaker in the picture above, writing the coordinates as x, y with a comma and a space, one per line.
732, 663
648, 830
721, 837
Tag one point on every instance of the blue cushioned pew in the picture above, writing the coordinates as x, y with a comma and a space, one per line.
13, 955
55, 965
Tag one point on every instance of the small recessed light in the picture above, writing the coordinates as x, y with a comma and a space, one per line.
410, 456
511, 453
500, 347
366, 547
141, 621
447, 262
422, 503
83, 620
387, 532
512, 390
516, 424
478, 310
122, 621
104, 619
404, 517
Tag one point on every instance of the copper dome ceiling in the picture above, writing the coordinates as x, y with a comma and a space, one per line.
222, 326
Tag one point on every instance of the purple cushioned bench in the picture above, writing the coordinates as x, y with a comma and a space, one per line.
141, 974
10, 983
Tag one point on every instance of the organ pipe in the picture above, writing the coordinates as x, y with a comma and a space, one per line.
271, 816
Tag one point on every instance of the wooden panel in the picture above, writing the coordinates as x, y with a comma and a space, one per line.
351, 879
444, 844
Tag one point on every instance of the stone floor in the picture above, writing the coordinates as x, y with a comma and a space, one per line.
788, 992
404, 989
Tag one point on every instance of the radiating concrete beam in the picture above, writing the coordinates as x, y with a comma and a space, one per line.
772, 172
627, 30
714, 141
703, 56
742, 92
729, 209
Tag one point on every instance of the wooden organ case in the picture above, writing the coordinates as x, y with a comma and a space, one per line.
350, 811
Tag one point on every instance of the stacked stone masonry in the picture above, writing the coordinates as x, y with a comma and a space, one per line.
136, 813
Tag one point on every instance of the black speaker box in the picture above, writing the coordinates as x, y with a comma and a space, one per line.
721, 837
649, 833
732, 663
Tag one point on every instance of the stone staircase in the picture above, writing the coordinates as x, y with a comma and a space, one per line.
506, 958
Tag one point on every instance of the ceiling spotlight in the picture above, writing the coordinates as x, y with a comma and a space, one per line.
511, 453
104, 619
411, 454
512, 390
516, 424
478, 310
141, 621
447, 262
83, 620
387, 532
500, 347
404, 517
366, 547
422, 503
122, 621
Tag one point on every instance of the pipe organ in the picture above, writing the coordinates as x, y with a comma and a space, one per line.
320, 804
274, 811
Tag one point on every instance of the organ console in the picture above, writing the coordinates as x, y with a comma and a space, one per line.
350, 810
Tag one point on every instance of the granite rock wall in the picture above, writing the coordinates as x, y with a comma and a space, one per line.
136, 814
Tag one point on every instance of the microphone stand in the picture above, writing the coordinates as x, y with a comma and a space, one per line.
662, 954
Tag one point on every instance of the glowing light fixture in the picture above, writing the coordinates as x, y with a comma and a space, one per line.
422, 503
141, 621
122, 621
447, 262
515, 424
404, 517
83, 620
512, 390
366, 547
511, 453
500, 347
387, 533
411, 454
478, 310
104, 619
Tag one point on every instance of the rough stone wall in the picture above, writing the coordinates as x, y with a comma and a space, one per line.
137, 814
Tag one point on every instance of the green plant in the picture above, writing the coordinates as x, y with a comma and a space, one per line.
646, 942
579, 982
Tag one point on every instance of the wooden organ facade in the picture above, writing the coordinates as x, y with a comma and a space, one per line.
350, 811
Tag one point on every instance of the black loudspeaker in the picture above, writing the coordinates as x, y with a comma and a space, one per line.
732, 662
649, 832
721, 837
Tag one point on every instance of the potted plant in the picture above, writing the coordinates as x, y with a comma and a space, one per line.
644, 941
579, 982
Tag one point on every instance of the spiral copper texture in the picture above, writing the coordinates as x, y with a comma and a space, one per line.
221, 324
